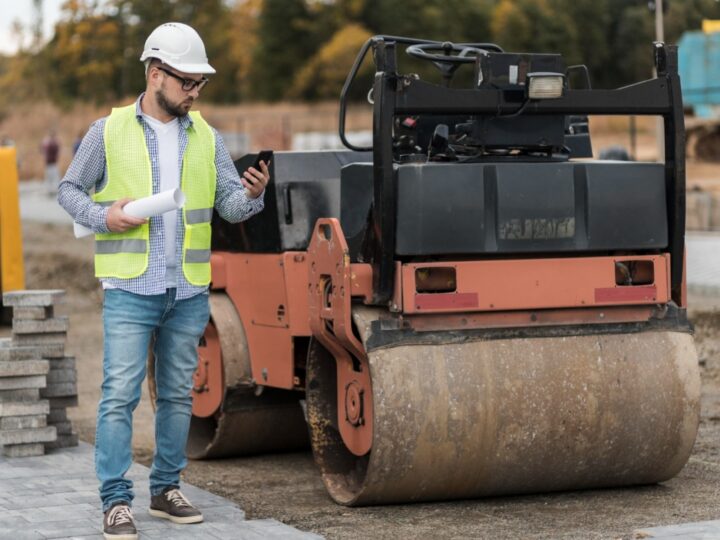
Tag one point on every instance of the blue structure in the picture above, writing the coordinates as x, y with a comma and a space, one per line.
699, 67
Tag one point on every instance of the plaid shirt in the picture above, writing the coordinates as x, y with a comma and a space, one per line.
88, 171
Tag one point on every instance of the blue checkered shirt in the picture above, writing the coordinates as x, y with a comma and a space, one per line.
88, 171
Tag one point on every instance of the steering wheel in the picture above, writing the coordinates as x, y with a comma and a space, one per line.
429, 51
446, 56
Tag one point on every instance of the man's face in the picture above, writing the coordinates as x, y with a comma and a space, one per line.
169, 93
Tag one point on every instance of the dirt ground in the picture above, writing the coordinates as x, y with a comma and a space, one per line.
287, 487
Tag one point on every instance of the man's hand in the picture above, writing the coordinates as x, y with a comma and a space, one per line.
119, 221
255, 181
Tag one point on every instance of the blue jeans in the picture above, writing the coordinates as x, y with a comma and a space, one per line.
130, 321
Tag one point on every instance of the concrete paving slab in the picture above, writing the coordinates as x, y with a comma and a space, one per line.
55, 496
45, 326
33, 313
33, 298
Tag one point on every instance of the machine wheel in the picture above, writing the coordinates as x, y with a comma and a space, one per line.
231, 415
509, 416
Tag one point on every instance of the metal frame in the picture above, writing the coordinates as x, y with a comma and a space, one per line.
395, 94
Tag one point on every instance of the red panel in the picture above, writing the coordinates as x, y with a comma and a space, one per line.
256, 285
218, 272
296, 279
626, 294
529, 284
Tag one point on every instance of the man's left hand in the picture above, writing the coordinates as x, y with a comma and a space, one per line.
255, 181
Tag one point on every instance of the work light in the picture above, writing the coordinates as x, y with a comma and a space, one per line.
545, 85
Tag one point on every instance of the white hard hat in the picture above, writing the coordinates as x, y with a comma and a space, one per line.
179, 46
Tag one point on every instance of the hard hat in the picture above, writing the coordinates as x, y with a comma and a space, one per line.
179, 46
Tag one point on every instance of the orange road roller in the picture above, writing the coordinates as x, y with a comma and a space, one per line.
471, 306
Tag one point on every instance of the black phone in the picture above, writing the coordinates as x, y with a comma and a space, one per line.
264, 156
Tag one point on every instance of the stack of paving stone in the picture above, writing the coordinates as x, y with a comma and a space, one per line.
33, 409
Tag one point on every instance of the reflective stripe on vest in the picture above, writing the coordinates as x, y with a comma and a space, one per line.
197, 256
129, 174
201, 215
103, 247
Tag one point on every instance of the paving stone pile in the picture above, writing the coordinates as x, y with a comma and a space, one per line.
37, 381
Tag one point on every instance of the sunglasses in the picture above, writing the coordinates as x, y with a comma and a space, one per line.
186, 84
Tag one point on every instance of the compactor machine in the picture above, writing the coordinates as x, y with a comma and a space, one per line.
473, 305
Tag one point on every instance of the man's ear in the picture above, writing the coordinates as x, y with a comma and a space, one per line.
153, 78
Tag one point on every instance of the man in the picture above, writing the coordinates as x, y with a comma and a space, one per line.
51, 150
155, 272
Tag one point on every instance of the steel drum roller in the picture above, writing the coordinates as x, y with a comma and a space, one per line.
510, 416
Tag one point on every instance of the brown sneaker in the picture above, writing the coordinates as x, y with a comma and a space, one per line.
172, 505
118, 523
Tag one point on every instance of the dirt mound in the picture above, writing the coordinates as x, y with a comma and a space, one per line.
57, 270
55, 259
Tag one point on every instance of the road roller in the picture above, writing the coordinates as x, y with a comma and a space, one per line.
472, 306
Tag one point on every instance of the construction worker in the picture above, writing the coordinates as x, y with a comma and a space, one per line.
155, 272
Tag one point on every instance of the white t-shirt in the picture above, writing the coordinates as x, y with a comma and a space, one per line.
168, 139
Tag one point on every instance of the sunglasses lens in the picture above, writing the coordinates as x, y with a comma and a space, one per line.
188, 84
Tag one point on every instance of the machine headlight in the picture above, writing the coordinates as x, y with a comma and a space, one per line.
545, 85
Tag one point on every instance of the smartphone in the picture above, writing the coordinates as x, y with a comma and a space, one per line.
264, 156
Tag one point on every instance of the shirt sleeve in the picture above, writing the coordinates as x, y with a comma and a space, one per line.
231, 200
86, 172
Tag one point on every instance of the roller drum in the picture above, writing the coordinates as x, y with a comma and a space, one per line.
249, 424
512, 416
238, 418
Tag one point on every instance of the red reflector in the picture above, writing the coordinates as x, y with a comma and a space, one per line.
446, 301
626, 294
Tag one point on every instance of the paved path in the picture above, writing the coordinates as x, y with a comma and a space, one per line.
55, 496
703, 262
702, 530
37, 205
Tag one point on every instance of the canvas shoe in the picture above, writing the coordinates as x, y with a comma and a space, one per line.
172, 505
118, 522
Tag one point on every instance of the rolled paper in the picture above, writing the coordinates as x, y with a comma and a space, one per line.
147, 207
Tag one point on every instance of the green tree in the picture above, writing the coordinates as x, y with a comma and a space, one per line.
275, 49
683, 15
323, 76
85, 54
242, 41
535, 26
284, 45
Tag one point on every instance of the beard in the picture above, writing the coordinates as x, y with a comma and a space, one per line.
173, 109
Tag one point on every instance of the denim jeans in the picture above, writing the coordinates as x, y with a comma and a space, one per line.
130, 321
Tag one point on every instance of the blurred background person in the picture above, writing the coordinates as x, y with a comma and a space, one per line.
51, 150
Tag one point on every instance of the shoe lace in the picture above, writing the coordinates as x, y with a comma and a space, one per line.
119, 515
177, 498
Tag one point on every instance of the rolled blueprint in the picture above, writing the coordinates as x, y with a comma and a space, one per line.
165, 201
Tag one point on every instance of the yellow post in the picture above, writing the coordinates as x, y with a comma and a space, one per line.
12, 275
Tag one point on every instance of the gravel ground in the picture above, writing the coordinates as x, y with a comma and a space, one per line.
287, 487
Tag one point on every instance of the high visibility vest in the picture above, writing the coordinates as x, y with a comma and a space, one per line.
129, 174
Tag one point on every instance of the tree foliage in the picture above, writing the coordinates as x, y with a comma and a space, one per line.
302, 49
323, 76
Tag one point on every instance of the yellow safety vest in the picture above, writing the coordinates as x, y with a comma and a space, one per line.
129, 174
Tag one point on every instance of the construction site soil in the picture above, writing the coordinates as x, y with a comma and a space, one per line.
288, 487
